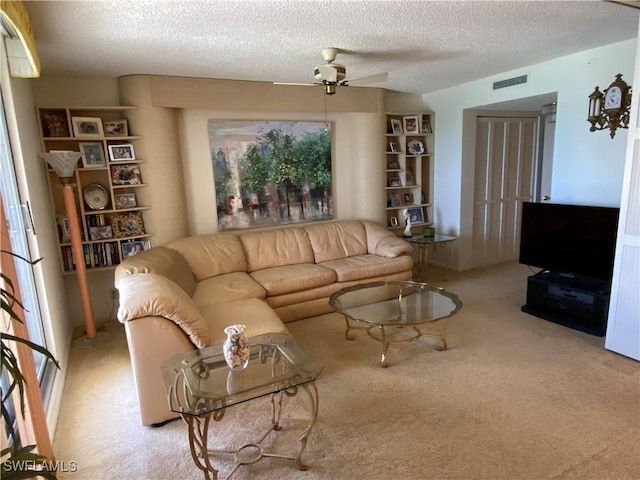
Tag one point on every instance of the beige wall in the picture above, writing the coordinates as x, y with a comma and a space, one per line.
178, 167
172, 119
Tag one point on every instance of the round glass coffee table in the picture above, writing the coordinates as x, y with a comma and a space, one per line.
392, 311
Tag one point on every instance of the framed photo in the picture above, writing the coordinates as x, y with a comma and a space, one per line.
393, 147
92, 155
409, 178
133, 248
416, 215
121, 152
63, 228
393, 165
126, 174
100, 233
394, 200
426, 125
56, 124
127, 225
393, 221
116, 128
396, 126
407, 199
411, 124
395, 182
87, 127
125, 200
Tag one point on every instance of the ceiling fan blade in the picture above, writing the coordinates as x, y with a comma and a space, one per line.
297, 84
328, 73
380, 77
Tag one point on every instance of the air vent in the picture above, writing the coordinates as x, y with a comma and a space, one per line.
510, 82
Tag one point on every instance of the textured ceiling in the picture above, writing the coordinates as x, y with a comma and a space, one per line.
423, 45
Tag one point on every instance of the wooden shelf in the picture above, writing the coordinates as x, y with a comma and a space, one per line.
106, 252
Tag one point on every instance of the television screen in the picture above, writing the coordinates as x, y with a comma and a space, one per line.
571, 239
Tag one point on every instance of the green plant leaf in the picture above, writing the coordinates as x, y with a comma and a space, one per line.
11, 466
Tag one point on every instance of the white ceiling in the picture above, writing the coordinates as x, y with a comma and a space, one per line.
423, 45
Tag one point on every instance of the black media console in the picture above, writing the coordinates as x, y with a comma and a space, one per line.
571, 300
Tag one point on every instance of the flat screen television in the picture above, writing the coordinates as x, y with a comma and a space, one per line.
569, 239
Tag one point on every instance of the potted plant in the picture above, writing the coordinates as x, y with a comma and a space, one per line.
17, 463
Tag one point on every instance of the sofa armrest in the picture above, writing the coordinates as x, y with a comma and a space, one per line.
145, 294
381, 241
392, 247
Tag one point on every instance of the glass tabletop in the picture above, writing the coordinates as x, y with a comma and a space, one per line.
395, 303
437, 238
200, 382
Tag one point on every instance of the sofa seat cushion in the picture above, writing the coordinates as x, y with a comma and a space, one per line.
361, 267
225, 288
253, 312
293, 278
149, 294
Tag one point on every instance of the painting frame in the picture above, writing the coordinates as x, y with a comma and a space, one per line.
268, 173
87, 127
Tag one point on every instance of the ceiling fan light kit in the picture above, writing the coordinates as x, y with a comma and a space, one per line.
611, 108
331, 75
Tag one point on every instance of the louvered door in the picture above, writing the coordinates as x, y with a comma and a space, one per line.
504, 178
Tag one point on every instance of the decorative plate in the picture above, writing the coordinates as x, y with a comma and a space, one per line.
96, 196
415, 147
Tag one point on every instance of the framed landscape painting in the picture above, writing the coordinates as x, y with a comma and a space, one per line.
268, 173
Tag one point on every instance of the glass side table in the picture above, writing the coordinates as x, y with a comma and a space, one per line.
200, 386
424, 243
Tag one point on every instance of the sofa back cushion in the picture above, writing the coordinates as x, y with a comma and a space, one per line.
162, 261
334, 240
211, 255
275, 248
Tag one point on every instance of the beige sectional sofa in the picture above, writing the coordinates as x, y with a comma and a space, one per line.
179, 296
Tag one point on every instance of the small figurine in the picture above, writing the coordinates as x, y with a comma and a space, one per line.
407, 228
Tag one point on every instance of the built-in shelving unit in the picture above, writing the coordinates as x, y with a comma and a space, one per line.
409, 169
106, 181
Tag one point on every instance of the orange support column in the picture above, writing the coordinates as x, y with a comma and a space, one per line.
78, 254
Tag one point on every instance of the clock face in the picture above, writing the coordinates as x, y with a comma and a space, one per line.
613, 98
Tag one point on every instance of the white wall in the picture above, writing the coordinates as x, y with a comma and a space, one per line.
587, 167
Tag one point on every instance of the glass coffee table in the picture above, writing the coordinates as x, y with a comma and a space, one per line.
392, 311
423, 243
200, 386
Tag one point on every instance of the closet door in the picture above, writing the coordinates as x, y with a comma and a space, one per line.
504, 178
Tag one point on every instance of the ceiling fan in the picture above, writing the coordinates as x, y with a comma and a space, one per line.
331, 74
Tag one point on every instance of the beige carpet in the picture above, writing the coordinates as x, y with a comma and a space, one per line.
514, 397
